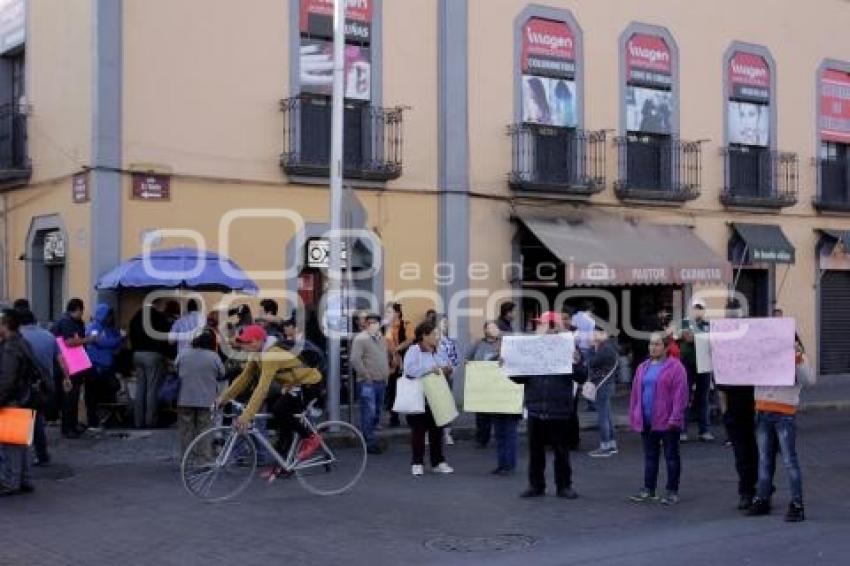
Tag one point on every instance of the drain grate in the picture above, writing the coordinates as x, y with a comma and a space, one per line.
499, 543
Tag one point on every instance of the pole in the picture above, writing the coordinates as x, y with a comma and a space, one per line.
335, 260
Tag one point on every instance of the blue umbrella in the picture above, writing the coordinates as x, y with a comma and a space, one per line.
178, 268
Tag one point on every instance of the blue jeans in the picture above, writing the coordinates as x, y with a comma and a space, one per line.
772, 430
14, 466
652, 442
700, 407
603, 409
371, 402
506, 439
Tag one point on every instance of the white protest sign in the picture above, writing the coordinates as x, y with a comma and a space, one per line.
753, 351
703, 349
543, 354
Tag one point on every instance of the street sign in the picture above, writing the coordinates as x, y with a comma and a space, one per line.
151, 187
80, 188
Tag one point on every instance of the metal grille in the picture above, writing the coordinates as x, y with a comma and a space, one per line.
833, 184
834, 322
757, 176
655, 167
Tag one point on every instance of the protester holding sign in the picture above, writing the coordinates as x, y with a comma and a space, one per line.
657, 411
549, 403
776, 416
485, 350
420, 361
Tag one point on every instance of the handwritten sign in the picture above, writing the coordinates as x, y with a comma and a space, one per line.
753, 351
543, 354
703, 349
440, 398
488, 389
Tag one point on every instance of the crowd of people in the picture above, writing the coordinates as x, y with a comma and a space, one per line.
281, 370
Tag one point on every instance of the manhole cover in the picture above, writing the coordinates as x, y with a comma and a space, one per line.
499, 543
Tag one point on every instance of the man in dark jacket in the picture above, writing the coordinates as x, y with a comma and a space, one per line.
602, 369
150, 350
71, 328
18, 369
549, 403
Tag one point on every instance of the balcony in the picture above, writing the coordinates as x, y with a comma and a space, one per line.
373, 139
15, 167
561, 161
658, 168
833, 185
757, 177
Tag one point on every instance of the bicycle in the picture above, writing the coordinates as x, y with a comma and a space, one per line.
221, 462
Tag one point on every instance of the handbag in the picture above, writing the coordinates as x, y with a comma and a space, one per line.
409, 396
17, 426
440, 398
170, 390
588, 389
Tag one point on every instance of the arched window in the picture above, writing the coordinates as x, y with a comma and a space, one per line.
833, 113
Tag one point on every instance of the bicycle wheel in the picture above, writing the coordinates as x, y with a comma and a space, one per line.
219, 464
339, 462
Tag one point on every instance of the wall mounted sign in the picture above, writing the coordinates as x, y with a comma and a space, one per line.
54, 248
649, 61
80, 188
548, 48
834, 119
13, 16
317, 19
749, 77
151, 187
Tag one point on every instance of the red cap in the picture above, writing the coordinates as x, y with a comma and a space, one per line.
252, 333
550, 316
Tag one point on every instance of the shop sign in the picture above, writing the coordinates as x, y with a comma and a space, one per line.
749, 77
317, 19
54, 248
548, 48
834, 119
151, 187
319, 254
80, 188
649, 61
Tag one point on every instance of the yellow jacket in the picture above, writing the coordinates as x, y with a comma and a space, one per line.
275, 364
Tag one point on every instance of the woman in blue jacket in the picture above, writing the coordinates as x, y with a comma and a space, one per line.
104, 342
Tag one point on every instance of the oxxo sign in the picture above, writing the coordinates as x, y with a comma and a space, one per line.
648, 61
548, 48
749, 77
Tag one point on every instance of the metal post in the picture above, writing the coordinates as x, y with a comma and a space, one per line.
335, 260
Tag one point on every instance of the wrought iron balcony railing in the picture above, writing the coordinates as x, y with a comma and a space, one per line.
373, 139
557, 160
658, 168
833, 185
15, 164
758, 177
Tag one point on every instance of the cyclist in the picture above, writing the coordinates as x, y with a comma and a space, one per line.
275, 366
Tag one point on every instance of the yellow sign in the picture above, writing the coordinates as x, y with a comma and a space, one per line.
489, 390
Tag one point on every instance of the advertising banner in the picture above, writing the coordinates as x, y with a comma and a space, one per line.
12, 24
648, 61
749, 124
649, 110
834, 119
317, 19
749, 77
317, 69
547, 101
548, 48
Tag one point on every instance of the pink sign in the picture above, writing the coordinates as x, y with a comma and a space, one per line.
753, 351
76, 359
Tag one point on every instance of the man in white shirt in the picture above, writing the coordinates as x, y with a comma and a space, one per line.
187, 327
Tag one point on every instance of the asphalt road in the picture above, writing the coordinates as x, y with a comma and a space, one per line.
137, 514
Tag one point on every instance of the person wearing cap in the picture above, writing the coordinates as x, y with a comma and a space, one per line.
549, 403
275, 365
370, 358
699, 383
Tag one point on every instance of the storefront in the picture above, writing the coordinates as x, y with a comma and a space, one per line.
833, 302
756, 251
630, 270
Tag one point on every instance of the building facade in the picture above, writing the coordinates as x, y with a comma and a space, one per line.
634, 153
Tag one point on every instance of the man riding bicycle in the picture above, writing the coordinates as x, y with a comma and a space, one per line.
278, 366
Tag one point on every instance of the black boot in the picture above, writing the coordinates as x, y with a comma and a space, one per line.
745, 503
759, 507
795, 513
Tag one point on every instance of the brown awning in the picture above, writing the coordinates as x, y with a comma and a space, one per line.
603, 250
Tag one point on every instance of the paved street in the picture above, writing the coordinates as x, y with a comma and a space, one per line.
137, 514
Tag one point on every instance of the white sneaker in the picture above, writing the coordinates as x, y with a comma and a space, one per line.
443, 468
612, 448
683, 437
449, 440
427, 440
602, 452
706, 437
417, 470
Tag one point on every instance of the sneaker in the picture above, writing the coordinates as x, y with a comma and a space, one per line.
670, 498
566, 493
532, 492
795, 513
42, 461
612, 448
443, 468
706, 437
602, 452
745, 502
503, 472
417, 470
427, 440
683, 437
759, 507
644, 496
309, 446
449, 440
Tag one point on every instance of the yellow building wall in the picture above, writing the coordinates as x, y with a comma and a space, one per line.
59, 82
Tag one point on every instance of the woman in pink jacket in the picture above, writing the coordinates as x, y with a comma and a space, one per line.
657, 411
